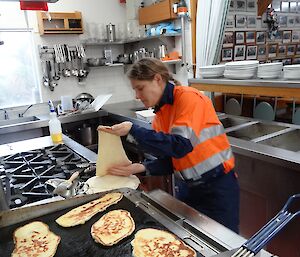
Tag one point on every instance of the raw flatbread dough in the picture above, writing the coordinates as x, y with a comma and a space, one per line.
110, 182
110, 152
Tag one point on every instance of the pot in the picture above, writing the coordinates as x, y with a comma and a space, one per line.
86, 135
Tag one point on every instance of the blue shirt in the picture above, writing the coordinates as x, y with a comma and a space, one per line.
161, 145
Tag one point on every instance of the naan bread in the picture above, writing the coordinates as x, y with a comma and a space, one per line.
113, 227
110, 182
35, 239
85, 212
110, 152
154, 242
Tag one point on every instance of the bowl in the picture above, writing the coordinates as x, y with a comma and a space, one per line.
92, 62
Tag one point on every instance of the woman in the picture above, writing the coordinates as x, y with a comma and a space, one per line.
187, 139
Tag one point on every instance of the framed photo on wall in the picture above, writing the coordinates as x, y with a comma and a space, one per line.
276, 5
240, 21
241, 5
226, 54
296, 36
232, 4
293, 6
272, 50
281, 51
251, 6
297, 19
239, 37
250, 37
228, 40
239, 52
251, 53
296, 60
287, 61
230, 22
285, 6
260, 37
282, 21
261, 52
298, 49
251, 21
291, 21
287, 36
278, 37
291, 49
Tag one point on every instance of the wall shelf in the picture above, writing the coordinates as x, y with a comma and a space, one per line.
128, 41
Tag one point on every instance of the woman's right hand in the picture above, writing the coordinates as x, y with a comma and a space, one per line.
126, 170
121, 129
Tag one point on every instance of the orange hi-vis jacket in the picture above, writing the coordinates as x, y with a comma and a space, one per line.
192, 116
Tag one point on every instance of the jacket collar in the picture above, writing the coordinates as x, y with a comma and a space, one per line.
167, 97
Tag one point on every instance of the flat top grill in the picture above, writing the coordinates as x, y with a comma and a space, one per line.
77, 241
24, 174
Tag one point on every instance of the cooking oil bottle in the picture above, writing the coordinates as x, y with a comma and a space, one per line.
54, 126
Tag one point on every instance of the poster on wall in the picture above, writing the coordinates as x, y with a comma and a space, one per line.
228, 40
251, 53
251, 21
250, 37
281, 51
226, 54
241, 6
251, 6
272, 50
261, 52
260, 37
239, 37
239, 52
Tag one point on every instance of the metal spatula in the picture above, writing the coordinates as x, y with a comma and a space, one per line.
63, 187
266, 233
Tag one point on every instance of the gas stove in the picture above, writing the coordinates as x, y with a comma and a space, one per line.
24, 174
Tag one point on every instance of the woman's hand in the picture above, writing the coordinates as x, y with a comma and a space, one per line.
126, 170
121, 129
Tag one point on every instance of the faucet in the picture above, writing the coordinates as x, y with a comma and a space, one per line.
22, 114
5, 114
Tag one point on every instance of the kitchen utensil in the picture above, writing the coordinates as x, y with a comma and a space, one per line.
162, 51
55, 77
85, 96
66, 103
86, 135
93, 62
251, 247
63, 188
110, 32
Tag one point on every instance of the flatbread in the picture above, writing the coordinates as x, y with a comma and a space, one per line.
113, 227
110, 182
85, 212
154, 242
110, 152
35, 239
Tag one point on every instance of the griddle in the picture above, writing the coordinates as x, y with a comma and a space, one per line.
77, 241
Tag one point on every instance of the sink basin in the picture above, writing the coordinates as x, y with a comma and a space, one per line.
255, 131
289, 141
231, 122
18, 120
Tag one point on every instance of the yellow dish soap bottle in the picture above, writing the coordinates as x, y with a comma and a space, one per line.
55, 126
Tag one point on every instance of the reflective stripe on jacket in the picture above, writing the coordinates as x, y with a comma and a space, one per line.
192, 116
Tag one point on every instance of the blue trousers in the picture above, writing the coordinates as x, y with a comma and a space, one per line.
218, 198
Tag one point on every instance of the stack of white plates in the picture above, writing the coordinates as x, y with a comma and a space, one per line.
212, 71
269, 70
291, 71
240, 69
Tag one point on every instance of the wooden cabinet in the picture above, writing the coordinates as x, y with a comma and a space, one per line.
156, 13
60, 23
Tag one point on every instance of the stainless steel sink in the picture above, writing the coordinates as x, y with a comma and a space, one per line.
254, 131
18, 121
289, 141
231, 122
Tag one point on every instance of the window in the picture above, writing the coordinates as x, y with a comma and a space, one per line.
18, 71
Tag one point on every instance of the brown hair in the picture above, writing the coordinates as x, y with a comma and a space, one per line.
147, 68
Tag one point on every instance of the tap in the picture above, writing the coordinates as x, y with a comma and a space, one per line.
22, 114
5, 114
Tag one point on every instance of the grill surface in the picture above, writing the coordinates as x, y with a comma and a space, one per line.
77, 241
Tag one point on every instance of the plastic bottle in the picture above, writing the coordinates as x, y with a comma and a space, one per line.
54, 126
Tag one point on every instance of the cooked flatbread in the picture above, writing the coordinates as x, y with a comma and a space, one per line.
85, 212
35, 239
110, 152
110, 182
113, 227
154, 242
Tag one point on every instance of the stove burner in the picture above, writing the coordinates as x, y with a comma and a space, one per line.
23, 175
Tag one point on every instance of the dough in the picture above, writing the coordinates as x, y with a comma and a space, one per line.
110, 182
110, 152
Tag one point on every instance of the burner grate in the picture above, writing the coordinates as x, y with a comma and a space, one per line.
24, 174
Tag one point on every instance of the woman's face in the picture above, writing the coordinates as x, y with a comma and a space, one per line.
148, 91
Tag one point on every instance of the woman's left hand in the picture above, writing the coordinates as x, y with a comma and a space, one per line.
126, 170
121, 129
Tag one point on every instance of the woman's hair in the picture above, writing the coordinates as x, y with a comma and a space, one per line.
147, 68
